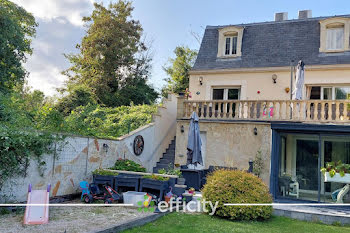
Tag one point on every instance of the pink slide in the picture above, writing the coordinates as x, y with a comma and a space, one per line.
37, 214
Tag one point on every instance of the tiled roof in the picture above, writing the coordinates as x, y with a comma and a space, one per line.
270, 44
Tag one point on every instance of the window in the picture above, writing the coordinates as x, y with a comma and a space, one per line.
226, 93
231, 50
334, 35
218, 94
327, 93
330, 93
227, 48
234, 45
230, 42
342, 93
335, 38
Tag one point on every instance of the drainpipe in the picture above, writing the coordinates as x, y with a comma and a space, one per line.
291, 79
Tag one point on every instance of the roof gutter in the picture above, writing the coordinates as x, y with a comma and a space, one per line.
270, 69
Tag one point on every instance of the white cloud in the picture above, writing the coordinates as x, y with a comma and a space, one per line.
72, 10
44, 70
46, 79
60, 29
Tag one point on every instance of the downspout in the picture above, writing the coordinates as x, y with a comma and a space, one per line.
291, 79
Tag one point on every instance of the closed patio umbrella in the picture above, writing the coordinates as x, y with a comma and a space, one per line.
299, 81
194, 144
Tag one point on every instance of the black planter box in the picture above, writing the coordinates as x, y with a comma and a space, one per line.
127, 181
160, 185
153, 184
172, 182
121, 174
193, 178
99, 179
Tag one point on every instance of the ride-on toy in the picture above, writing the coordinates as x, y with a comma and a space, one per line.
93, 192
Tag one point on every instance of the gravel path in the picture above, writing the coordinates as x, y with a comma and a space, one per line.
72, 219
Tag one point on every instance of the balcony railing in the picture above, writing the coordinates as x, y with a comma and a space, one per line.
270, 110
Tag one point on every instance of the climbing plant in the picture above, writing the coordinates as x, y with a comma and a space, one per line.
18, 147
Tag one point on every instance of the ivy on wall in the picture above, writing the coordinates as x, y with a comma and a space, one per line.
17, 148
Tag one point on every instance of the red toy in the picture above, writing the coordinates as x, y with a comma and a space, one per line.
95, 193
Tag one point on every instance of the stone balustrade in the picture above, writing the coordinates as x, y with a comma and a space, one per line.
337, 111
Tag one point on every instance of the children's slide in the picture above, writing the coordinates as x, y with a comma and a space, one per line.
37, 214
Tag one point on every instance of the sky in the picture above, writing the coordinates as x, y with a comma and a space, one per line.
167, 23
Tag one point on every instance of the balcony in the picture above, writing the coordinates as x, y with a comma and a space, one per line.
312, 111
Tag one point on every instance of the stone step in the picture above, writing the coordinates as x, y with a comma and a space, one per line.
169, 154
168, 157
172, 152
162, 165
165, 160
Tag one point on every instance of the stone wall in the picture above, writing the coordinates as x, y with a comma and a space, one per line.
230, 144
77, 157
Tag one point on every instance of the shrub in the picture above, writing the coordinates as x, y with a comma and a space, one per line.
232, 186
128, 165
155, 177
104, 172
170, 171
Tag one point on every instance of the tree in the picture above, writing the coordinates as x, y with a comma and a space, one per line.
179, 70
17, 27
78, 95
111, 56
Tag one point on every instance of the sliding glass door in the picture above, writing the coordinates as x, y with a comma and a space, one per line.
301, 158
334, 149
298, 176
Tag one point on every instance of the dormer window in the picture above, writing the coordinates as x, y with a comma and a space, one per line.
230, 42
231, 45
334, 35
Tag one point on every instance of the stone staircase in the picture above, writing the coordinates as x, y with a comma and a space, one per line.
168, 158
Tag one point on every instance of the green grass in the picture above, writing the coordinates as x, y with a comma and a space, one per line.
181, 223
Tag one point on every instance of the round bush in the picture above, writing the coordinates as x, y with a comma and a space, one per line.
233, 186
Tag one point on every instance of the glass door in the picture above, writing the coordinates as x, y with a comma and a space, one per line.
299, 167
334, 149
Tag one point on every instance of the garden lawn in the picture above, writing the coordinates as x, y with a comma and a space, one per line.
180, 222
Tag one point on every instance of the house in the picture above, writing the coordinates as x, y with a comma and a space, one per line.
241, 85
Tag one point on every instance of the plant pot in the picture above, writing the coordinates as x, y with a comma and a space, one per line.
160, 185
100, 179
154, 184
337, 178
181, 181
125, 181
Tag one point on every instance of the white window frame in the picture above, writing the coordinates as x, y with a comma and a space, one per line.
230, 32
332, 29
230, 52
333, 90
334, 22
226, 91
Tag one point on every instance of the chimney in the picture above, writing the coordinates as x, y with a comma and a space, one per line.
281, 16
305, 14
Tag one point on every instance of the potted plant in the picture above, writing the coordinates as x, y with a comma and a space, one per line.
154, 182
171, 171
191, 191
128, 165
336, 172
